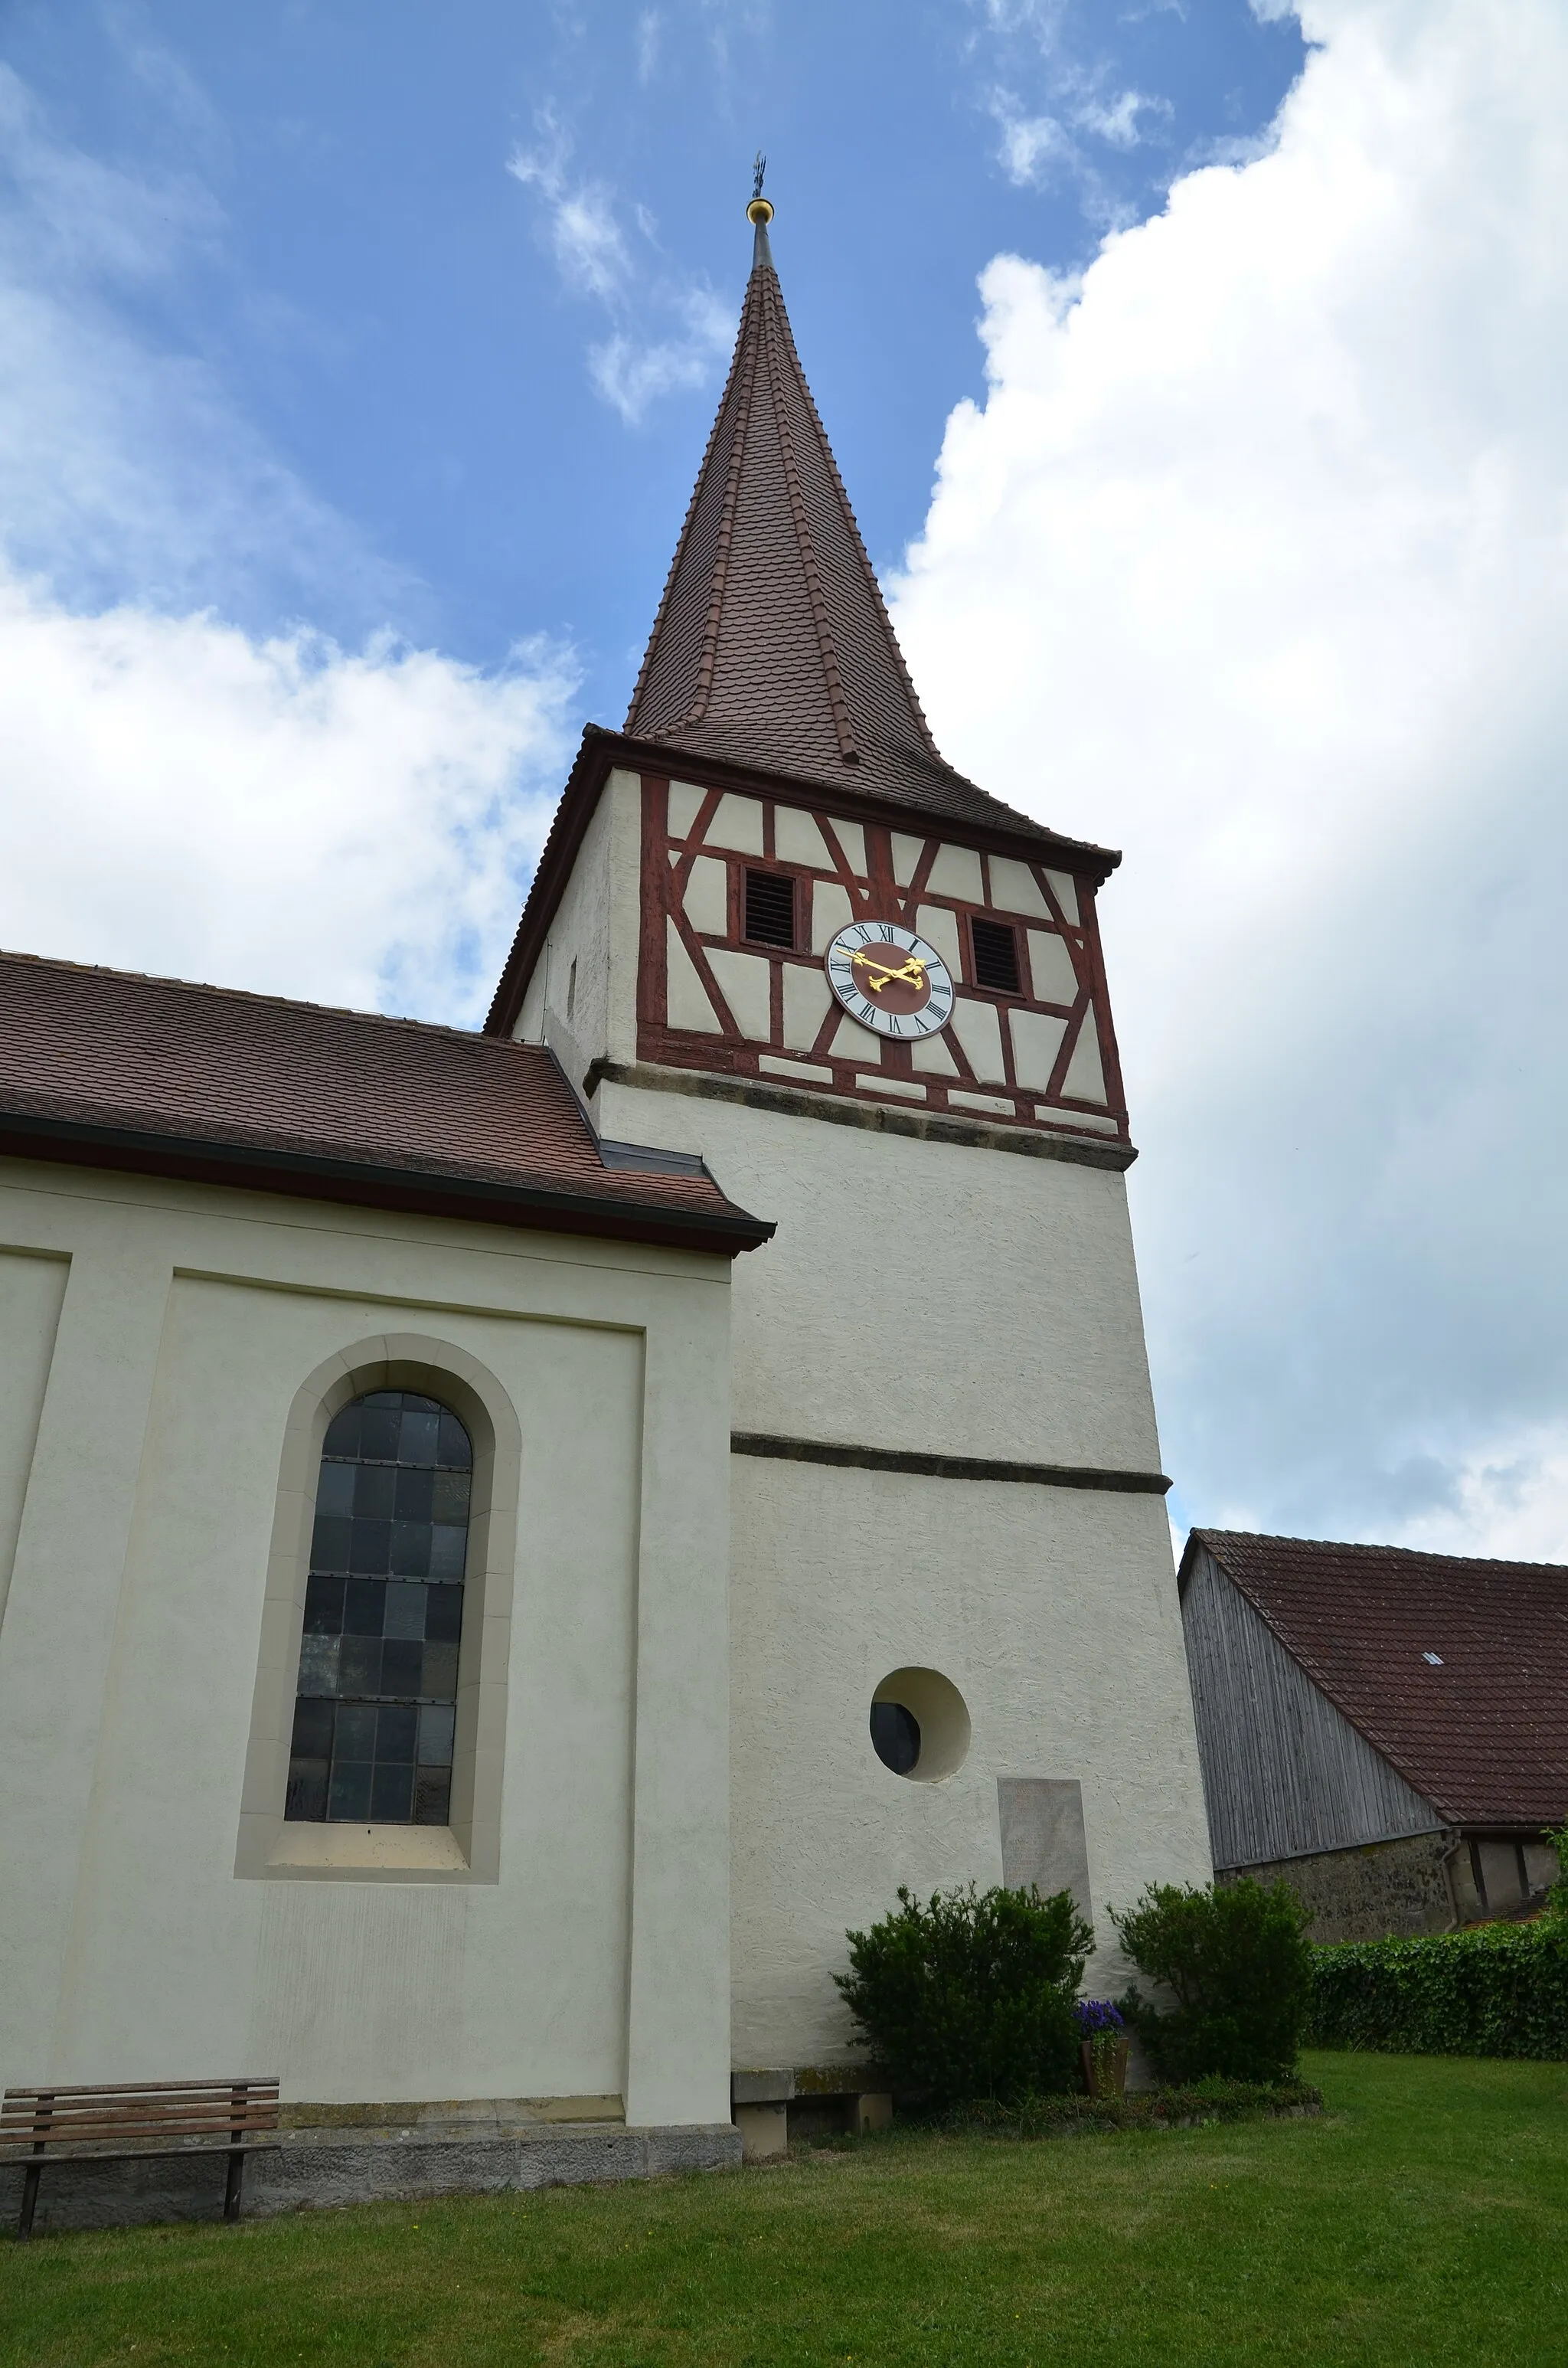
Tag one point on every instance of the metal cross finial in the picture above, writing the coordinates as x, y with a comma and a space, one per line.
757, 171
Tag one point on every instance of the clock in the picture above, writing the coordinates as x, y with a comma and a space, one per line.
890, 980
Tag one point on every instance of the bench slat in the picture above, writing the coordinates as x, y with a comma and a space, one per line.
142, 2089
41, 2121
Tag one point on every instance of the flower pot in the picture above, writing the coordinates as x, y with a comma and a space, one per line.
1105, 2069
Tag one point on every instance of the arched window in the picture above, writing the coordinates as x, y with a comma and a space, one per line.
378, 1686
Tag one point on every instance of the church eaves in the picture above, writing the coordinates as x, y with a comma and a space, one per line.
772, 648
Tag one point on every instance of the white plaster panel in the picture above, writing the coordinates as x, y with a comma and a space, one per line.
991, 1246
30, 1292
976, 1026
853, 1042
1067, 889
1015, 888
940, 928
956, 872
1051, 967
807, 1000
684, 803
903, 1088
831, 911
1084, 1081
689, 1003
801, 1072
530, 1029
129, 1656
934, 1055
597, 925
852, 840
707, 897
737, 823
796, 839
1064, 1641
1037, 1040
906, 855
744, 981
994, 1105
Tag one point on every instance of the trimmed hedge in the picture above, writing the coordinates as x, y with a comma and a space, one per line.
1496, 1990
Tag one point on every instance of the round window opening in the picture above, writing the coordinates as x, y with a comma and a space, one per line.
920, 1725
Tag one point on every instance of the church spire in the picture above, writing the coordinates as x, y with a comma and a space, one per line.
772, 647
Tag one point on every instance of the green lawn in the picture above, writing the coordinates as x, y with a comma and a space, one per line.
1422, 2219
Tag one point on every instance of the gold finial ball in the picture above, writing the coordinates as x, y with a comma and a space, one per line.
760, 210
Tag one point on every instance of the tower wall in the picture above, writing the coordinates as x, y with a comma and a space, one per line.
942, 1300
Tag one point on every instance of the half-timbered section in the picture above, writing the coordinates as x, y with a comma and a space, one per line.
741, 898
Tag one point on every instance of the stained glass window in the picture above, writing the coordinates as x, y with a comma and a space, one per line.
383, 1616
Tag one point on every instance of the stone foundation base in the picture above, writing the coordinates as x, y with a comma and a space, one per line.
310, 2168
1403, 1887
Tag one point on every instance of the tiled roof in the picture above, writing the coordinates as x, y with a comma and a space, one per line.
120, 1070
772, 647
1481, 1731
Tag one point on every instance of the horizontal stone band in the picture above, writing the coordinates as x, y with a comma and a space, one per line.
945, 1467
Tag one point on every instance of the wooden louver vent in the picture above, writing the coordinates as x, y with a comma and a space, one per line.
770, 908
995, 956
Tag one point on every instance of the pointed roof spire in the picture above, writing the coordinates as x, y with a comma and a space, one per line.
772, 647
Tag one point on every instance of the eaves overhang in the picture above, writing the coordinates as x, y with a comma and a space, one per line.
602, 751
363, 1183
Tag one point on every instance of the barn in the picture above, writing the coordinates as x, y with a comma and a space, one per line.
1386, 1729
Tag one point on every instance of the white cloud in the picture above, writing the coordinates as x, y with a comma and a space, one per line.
127, 467
186, 788
584, 236
276, 814
632, 375
1255, 564
1115, 120
638, 361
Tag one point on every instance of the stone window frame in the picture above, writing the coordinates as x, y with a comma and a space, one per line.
468, 1849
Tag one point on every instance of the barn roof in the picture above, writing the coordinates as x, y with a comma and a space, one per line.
110, 1068
1453, 1667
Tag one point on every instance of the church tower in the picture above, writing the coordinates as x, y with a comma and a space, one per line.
773, 929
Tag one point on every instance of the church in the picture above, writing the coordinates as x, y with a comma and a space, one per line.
511, 1543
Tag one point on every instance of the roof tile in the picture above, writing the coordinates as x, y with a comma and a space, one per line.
1483, 1733
162, 1059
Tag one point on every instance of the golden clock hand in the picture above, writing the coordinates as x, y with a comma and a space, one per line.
877, 975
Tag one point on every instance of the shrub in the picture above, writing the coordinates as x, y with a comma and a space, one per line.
1496, 1990
971, 1996
1238, 1962
1557, 1897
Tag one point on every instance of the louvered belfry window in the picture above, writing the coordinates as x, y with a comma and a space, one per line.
377, 1688
995, 956
770, 908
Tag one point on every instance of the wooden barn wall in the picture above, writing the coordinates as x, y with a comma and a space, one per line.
1283, 1771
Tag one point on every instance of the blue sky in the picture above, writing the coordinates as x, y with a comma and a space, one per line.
1197, 374
408, 328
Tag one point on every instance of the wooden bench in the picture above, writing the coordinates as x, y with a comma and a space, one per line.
140, 2121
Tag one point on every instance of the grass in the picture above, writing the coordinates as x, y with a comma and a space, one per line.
1422, 2219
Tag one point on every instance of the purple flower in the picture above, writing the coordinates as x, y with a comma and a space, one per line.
1096, 2017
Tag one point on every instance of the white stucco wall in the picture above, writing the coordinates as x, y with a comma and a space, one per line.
933, 1297
597, 927
922, 1295
596, 1965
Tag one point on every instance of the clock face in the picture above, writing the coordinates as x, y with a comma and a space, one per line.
890, 980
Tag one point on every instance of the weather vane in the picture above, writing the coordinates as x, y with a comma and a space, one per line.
760, 210
757, 171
